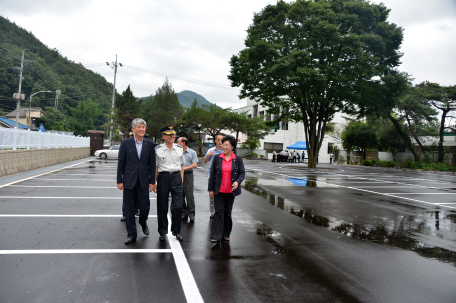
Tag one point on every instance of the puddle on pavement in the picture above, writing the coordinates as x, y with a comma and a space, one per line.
397, 237
272, 237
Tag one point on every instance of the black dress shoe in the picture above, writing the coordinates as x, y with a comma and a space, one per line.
184, 217
162, 238
122, 219
192, 220
130, 240
145, 230
212, 217
178, 237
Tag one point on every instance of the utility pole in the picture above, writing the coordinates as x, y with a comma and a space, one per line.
18, 107
113, 100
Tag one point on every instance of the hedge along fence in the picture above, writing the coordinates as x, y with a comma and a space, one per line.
340, 156
427, 166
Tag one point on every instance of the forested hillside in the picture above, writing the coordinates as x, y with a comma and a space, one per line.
51, 71
186, 98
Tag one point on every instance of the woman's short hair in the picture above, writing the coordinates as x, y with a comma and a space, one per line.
231, 139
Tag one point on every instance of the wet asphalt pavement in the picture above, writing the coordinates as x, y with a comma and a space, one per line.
334, 234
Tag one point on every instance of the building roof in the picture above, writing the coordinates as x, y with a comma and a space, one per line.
23, 111
11, 123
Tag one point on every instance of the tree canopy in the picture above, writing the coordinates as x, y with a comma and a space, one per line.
162, 109
127, 108
443, 99
315, 58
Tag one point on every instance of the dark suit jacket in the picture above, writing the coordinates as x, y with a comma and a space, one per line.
129, 166
237, 174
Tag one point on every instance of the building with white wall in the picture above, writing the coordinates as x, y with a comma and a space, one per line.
289, 133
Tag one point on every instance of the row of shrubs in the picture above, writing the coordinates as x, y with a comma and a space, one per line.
427, 166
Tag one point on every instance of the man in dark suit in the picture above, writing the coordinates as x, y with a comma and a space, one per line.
136, 177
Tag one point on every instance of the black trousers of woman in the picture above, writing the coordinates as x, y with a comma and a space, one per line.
222, 224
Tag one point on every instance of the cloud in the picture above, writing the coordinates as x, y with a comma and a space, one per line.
196, 39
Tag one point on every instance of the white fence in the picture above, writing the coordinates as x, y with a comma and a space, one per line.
12, 138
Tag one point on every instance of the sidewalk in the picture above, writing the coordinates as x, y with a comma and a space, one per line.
30, 173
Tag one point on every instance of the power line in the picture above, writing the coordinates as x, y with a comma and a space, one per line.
219, 85
8, 53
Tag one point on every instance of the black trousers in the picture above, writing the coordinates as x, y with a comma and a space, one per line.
131, 199
222, 224
167, 183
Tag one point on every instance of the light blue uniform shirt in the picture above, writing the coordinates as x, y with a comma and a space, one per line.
216, 153
190, 158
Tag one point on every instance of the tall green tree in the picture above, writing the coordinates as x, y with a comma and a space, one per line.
316, 58
361, 135
388, 139
127, 108
443, 99
56, 120
163, 109
215, 119
85, 116
417, 113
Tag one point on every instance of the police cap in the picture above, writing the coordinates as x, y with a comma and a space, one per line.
168, 130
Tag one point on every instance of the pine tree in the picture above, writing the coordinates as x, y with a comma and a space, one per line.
127, 109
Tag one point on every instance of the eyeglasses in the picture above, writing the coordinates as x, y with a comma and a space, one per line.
226, 145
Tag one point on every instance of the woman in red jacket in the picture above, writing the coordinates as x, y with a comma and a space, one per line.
227, 174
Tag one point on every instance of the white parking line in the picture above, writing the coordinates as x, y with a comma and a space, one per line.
61, 179
191, 291
92, 175
63, 216
422, 193
373, 192
83, 198
82, 251
188, 282
49, 172
65, 186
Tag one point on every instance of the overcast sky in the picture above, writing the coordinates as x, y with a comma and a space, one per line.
195, 39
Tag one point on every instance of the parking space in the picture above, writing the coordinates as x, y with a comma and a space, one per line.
64, 227
322, 235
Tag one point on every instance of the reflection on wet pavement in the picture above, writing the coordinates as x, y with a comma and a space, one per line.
271, 236
309, 182
399, 236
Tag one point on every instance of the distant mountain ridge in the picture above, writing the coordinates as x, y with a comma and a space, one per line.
186, 98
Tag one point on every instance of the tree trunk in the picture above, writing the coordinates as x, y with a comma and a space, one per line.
413, 133
404, 136
442, 128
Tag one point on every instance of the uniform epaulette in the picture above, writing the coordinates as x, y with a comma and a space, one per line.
159, 145
178, 145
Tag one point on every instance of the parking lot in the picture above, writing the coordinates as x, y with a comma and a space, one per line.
333, 234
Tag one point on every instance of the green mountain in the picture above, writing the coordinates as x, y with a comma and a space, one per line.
50, 71
186, 98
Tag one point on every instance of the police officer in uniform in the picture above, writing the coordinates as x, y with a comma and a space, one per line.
170, 163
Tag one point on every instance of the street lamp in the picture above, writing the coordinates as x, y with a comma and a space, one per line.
114, 67
30, 105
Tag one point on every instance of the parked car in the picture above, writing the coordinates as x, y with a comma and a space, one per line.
113, 152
